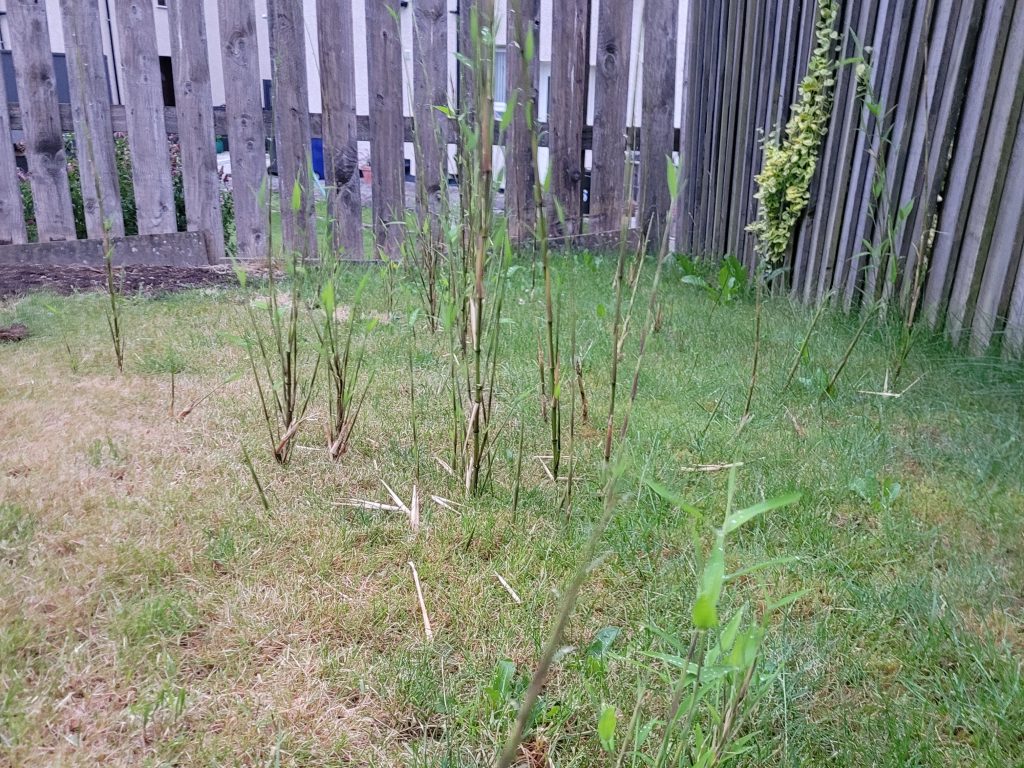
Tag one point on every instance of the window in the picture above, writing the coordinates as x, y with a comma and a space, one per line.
161, 3
500, 78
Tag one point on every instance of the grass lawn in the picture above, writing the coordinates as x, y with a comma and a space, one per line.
152, 613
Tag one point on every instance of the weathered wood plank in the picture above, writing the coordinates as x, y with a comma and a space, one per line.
764, 84
386, 149
716, 30
690, 136
291, 118
523, 83
802, 44
941, 111
174, 249
917, 109
991, 174
244, 126
834, 165
567, 96
746, 137
963, 170
430, 91
732, 51
12, 216
119, 122
703, 138
1005, 248
1013, 335
44, 144
144, 110
194, 100
660, 24
90, 109
873, 219
901, 145
611, 94
858, 198
465, 85
335, 36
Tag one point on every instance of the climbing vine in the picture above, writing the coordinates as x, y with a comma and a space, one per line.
785, 179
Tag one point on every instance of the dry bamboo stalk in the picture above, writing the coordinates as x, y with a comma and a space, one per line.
508, 588
423, 608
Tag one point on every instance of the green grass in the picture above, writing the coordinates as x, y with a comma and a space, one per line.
152, 613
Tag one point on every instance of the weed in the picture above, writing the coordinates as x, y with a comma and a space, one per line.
880, 493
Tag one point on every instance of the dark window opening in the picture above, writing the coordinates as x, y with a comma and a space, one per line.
167, 80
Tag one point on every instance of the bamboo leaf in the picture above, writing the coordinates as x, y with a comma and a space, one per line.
743, 516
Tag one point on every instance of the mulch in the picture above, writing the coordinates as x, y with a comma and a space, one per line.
18, 280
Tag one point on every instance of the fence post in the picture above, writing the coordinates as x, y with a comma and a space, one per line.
194, 103
12, 216
567, 115
144, 111
430, 91
291, 126
386, 124
90, 111
246, 137
40, 113
341, 147
657, 132
523, 74
611, 94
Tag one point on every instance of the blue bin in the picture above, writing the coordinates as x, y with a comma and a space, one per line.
317, 156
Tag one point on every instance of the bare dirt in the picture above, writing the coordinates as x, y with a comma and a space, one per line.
18, 280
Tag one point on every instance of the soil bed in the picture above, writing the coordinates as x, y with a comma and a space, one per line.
22, 279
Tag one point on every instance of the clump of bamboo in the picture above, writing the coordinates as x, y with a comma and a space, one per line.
344, 365
614, 472
477, 271
284, 383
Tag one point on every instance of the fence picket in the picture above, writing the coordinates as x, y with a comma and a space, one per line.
244, 114
430, 89
12, 216
964, 167
523, 75
991, 175
144, 113
386, 148
340, 138
657, 134
611, 95
1007, 236
291, 126
194, 103
90, 109
44, 144
568, 111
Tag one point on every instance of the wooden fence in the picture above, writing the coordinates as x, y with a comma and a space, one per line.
951, 140
949, 148
243, 120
